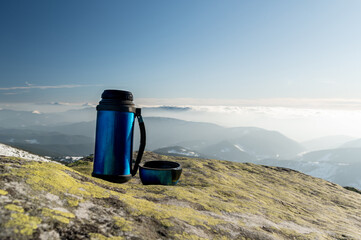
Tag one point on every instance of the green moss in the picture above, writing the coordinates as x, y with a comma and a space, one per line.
73, 202
3, 192
161, 212
57, 215
123, 224
81, 166
292, 234
98, 236
187, 236
14, 208
15, 158
23, 224
209, 193
51, 177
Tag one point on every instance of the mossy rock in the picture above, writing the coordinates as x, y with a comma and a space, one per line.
213, 200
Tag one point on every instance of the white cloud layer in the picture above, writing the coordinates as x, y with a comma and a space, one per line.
31, 86
313, 103
298, 123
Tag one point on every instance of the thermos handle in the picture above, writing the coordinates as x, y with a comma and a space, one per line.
142, 141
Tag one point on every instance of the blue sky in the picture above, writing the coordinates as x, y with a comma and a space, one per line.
70, 51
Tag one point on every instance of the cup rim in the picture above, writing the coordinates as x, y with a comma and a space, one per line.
177, 167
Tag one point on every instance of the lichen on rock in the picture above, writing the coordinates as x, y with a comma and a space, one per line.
213, 200
3, 192
22, 224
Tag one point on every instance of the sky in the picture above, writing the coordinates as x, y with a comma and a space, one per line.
281, 53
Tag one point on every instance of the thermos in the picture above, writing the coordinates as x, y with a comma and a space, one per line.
116, 115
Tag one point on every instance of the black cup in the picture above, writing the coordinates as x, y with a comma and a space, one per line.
160, 173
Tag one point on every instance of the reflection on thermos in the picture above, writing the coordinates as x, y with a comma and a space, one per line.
116, 114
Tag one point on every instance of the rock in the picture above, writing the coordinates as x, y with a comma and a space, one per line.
213, 200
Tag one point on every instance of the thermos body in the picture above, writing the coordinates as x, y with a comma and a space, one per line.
114, 143
113, 152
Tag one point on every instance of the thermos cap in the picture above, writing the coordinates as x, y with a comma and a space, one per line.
117, 94
116, 100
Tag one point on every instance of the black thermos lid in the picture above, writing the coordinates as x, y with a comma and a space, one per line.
116, 100
117, 94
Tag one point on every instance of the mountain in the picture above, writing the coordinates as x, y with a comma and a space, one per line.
178, 151
257, 142
166, 132
352, 144
341, 166
327, 142
52, 144
30, 119
86, 129
213, 200
57, 150
263, 143
228, 151
340, 155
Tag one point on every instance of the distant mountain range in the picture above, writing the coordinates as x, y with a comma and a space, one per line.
236, 144
44, 143
327, 142
232, 143
26, 119
43, 136
179, 151
341, 166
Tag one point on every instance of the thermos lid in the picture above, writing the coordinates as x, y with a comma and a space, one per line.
117, 100
117, 94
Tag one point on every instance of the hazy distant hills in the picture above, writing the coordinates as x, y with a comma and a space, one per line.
86, 129
338, 155
44, 143
244, 143
179, 151
352, 144
225, 150
327, 142
27, 119
56, 136
237, 144
341, 166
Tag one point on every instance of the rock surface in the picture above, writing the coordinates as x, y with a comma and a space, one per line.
213, 200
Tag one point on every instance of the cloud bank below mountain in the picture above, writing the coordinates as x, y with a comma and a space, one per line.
298, 123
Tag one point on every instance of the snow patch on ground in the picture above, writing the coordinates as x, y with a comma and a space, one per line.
185, 153
239, 148
32, 141
8, 151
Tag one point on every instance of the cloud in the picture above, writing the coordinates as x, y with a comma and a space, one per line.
305, 103
87, 104
36, 112
31, 86
75, 104
169, 108
59, 103
11, 93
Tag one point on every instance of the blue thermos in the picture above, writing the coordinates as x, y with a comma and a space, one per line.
116, 115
